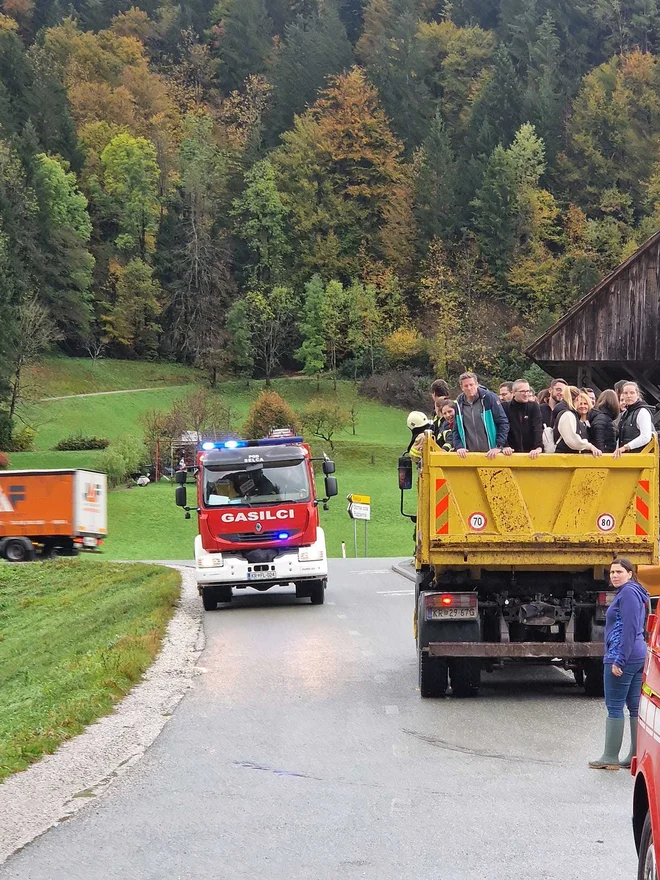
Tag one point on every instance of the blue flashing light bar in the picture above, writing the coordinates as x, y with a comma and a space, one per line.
241, 444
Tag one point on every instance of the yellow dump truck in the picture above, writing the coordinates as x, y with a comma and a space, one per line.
512, 555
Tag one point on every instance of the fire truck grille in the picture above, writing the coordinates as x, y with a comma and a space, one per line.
254, 537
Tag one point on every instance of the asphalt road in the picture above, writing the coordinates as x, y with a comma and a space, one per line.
305, 752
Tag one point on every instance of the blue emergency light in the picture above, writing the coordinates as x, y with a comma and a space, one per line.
241, 444
283, 536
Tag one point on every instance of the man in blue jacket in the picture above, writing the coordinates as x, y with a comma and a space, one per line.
481, 424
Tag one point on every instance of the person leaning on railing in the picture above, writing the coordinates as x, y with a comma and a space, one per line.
570, 432
636, 424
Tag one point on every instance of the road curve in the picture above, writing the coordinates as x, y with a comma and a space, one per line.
304, 752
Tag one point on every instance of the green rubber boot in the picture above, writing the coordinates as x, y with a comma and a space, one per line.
609, 760
627, 761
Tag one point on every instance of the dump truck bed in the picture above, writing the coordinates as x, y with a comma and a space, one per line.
557, 512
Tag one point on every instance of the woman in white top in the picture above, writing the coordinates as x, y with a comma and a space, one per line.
635, 425
570, 432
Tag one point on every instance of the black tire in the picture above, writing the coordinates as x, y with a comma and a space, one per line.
423, 581
647, 868
18, 550
465, 675
209, 599
317, 592
578, 674
433, 675
593, 681
223, 594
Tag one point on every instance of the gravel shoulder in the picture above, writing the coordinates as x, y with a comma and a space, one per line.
52, 790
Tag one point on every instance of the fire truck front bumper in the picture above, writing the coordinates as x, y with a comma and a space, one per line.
291, 566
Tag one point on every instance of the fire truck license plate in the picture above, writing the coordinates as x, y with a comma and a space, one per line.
259, 575
457, 613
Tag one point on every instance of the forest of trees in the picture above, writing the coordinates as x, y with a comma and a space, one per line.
336, 186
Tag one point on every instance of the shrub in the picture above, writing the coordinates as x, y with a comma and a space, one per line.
77, 442
4, 461
399, 388
324, 419
23, 440
122, 459
268, 412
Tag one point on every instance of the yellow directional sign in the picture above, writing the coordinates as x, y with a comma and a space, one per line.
360, 499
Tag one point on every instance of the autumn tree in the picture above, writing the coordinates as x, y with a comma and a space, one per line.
342, 177
130, 191
267, 413
270, 318
324, 418
132, 318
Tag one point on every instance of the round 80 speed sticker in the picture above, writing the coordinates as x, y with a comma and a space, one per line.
605, 522
477, 521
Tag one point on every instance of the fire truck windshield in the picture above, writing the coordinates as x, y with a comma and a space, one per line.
249, 484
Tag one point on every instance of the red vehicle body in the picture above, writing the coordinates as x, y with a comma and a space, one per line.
258, 518
646, 764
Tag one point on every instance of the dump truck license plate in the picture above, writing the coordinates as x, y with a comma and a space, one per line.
259, 575
452, 613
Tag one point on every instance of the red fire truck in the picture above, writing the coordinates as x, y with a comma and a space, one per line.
258, 518
646, 764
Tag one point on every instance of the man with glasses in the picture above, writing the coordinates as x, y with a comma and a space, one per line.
525, 422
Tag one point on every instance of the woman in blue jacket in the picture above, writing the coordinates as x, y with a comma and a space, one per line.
625, 652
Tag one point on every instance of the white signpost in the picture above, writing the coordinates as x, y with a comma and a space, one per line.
359, 507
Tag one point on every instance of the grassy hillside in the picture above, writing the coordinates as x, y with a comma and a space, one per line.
58, 376
144, 523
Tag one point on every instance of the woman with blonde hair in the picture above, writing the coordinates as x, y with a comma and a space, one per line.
570, 432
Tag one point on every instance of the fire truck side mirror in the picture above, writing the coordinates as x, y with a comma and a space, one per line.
405, 472
180, 496
180, 477
330, 487
328, 466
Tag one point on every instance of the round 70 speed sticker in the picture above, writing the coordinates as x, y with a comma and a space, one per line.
477, 521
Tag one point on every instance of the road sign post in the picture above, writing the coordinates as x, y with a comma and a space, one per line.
359, 507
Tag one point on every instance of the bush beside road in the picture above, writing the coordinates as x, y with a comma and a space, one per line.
74, 639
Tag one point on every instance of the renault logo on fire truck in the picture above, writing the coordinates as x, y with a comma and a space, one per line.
258, 527
258, 515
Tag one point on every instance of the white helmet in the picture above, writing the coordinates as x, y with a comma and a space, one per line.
417, 419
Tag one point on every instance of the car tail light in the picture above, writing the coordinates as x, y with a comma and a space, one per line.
606, 598
451, 600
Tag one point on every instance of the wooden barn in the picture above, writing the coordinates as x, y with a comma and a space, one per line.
613, 332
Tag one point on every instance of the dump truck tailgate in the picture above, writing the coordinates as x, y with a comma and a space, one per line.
563, 511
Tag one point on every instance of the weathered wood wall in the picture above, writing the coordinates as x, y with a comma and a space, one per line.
618, 321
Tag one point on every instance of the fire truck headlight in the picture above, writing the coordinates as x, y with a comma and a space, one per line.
214, 561
310, 554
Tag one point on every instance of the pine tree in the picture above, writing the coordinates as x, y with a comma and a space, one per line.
436, 186
241, 40
495, 211
496, 115
313, 49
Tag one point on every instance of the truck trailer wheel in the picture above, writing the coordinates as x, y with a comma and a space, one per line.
433, 675
593, 680
18, 550
465, 675
317, 591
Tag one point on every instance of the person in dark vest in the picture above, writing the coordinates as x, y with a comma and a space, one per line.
602, 418
570, 432
636, 423
525, 422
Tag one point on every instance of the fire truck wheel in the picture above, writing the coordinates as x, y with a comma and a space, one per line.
647, 868
209, 599
317, 592
18, 550
465, 677
433, 675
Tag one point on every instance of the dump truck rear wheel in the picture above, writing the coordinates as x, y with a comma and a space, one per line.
18, 550
317, 592
209, 599
465, 677
433, 675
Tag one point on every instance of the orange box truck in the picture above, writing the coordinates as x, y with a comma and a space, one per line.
54, 512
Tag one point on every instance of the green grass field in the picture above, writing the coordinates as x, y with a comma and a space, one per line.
145, 523
74, 639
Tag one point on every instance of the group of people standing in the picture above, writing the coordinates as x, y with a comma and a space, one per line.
561, 418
